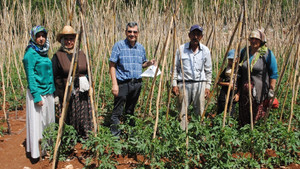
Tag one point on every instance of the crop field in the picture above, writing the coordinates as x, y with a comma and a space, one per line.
157, 140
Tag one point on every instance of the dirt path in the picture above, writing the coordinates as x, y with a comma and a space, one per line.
12, 147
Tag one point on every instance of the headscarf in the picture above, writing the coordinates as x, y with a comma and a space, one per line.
42, 50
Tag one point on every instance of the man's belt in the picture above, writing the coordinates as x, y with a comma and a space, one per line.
189, 81
129, 81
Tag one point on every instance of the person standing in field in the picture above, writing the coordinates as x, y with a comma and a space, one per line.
263, 75
79, 110
39, 97
224, 81
128, 58
193, 65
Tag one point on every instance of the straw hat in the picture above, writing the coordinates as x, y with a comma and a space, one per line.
67, 30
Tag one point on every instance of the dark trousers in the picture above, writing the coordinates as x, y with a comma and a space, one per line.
128, 95
221, 107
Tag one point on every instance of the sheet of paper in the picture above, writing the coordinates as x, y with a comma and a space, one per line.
150, 72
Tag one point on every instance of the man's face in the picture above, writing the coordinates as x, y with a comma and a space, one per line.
195, 37
132, 34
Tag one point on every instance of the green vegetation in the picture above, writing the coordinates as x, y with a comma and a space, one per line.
210, 145
68, 141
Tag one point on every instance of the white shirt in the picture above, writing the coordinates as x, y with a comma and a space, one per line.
196, 66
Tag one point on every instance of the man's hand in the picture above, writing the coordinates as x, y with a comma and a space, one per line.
115, 90
40, 103
149, 63
175, 90
207, 92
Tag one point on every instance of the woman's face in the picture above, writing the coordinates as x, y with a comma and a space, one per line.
69, 41
255, 43
40, 38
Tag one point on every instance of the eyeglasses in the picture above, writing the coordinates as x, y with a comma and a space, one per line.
135, 32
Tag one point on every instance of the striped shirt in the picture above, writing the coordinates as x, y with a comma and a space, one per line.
129, 59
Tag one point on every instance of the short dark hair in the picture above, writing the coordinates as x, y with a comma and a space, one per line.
131, 25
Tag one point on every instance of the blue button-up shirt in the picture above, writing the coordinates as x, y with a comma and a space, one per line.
196, 66
129, 59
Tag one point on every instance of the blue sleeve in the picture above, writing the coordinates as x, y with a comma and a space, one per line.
272, 65
29, 62
115, 53
144, 55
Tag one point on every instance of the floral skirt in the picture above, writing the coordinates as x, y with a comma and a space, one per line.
258, 109
80, 113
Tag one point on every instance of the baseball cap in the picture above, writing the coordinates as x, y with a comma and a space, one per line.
196, 27
230, 54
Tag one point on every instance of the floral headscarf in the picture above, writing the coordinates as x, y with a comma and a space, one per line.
42, 50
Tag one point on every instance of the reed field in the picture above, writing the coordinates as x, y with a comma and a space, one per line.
164, 25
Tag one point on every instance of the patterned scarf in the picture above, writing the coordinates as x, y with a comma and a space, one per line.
42, 50
261, 52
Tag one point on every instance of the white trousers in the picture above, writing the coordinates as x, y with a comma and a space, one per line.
194, 94
37, 119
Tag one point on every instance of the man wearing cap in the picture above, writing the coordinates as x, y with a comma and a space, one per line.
194, 69
128, 58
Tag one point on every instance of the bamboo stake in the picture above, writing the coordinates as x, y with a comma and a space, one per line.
294, 86
223, 63
4, 92
248, 65
287, 84
162, 76
172, 72
91, 90
232, 73
281, 76
149, 99
67, 95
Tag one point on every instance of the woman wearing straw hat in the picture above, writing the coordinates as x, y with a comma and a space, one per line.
263, 72
79, 110
39, 97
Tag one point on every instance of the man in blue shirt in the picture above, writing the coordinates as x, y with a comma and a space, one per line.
128, 58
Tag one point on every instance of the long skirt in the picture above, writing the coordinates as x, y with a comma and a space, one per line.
80, 113
37, 119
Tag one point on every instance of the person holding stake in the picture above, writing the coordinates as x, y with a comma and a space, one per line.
224, 81
79, 112
128, 58
263, 75
193, 66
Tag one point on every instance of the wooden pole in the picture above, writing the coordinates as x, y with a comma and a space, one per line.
166, 46
4, 92
232, 73
91, 89
221, 68
248, 65
294, 86
172, 72
281, 74
287, 85
67, 95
